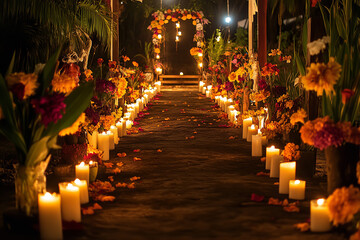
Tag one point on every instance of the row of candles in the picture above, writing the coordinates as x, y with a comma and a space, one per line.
66, 206
106, 141
285, 171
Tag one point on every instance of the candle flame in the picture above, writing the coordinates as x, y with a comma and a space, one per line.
82, 164
47, 195
272, 147
320, 201
103, 133
259, 131
252, 127
91, 162
77, 181
297, 182
109, 132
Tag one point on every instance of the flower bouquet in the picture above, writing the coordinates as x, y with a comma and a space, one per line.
33, 113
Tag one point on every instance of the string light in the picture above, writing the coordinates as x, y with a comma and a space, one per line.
157, 56
179, 33
200, 65
177, 39
177, 25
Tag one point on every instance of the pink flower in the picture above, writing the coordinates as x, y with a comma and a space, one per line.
51, 107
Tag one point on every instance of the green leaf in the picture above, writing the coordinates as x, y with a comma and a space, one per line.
13, 136
325, 16
6, 103
76, 103
300, 65
11, 65
340, 27
38, 151
48, 72
304, 37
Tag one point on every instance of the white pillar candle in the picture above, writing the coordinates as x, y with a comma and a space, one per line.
70, 202
275, 165
319, 216
246, 123
270, 151
146, 96
103, 145
229, 110
123, 122
217, 98
131, 114
82, 171
252, 130
158, 85
119, 129
114, 130
287, 173
297, 189
228, 103
92, 139
50, 216
139, 102
137, 109
201, 85
203, 90
111, 140
83, 188
143, 103
129, 124
256, 147
207, 93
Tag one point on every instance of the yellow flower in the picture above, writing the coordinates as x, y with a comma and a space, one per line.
121, 87
289, 104
343, 204
157, 50
135, 64
64, 83
106, 121
28, 80
74, 127
299, 116
232, 77
241, 71
322, 77
88, 75
275, 52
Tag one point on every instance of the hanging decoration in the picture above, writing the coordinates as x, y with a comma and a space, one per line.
162, 17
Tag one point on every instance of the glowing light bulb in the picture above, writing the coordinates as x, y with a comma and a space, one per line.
159, 36
200, 54
200, 65
179, 33
177, 25
177, 38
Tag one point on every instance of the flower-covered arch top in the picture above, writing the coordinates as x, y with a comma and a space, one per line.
162, 17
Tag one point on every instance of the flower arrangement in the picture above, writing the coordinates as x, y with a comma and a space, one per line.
291, 152
34, 111
324, 132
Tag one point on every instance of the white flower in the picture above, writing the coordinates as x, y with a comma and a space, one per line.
317, 46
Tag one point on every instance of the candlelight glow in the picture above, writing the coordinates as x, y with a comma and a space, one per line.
297, 182
177, 25
82, 164
159, 36
91, 162
179, 33
200, 65
71, 187
209, 87
252, 127
200, 54
77, 181
181, 73
48, 196
177, 38
259, 131
157, 56
320, 201
272, 147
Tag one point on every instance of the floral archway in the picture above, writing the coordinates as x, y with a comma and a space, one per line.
162, 17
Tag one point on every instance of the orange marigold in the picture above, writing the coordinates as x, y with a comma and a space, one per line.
343, 203
28, 80
299, 116
291, 152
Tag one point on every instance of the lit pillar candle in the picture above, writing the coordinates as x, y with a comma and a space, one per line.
246, 123
252, 130
287, 173
83, 189
123, 122
70, 202
230, 108
158, 85
256, 147
132, 113
201, 85
275, 165
92, 139
137, 109
319, 216
143, 103
114, 130
217, 98
270, 151
129, 124
119, 129
297, 189
207, 93
228, 103
103, 145
82, 171
203, 90
50, 216
138, 101
111, 140
146, 96
264, 140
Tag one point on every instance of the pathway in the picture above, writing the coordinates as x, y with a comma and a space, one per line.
198, 187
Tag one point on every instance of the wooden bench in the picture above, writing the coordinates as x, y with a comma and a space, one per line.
180, 79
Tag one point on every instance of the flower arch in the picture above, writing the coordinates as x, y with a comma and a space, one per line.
162, 17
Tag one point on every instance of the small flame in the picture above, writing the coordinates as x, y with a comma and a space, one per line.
320, 201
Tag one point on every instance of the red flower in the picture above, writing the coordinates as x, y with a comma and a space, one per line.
51, 107
18, 90
100, 61
346, 95
112, 64
314, 2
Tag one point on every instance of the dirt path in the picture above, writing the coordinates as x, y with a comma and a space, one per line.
198, 187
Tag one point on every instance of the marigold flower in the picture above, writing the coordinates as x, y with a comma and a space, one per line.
135, 64
64, 83
88, 75
291, 152
275, 52
299, 116
28, 80
126, 58
74, 127
232, 77
322, 77
343, 203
